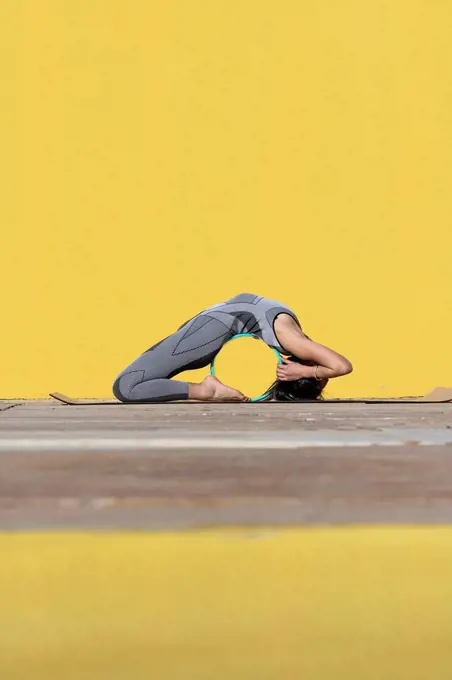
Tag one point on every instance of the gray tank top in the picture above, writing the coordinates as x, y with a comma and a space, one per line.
252, 314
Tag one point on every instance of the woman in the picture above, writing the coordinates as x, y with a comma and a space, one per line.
303, 375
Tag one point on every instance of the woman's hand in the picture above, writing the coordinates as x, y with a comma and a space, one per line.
330, 364
291, 370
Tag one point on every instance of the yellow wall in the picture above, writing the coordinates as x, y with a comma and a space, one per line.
160, 156
336, 603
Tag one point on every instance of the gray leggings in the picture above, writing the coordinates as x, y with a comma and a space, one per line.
194, 345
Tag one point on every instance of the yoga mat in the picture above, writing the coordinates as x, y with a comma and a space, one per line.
439, 395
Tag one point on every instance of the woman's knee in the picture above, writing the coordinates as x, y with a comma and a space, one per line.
117, 391
124, 384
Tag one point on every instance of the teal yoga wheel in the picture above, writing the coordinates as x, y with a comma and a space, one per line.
249, 335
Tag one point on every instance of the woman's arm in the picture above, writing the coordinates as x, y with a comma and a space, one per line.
326, 362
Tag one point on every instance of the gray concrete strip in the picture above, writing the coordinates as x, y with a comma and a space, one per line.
33, 417
263, 516
158, 440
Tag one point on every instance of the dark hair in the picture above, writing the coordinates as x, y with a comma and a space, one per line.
303, 389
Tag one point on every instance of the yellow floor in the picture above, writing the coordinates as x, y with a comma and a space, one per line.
340, 603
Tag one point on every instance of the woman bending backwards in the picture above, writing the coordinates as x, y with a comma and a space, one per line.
303, 375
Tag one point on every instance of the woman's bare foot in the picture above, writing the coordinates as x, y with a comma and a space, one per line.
211, 389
